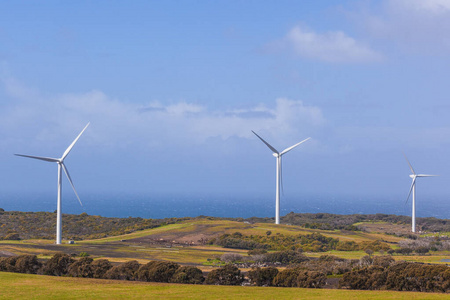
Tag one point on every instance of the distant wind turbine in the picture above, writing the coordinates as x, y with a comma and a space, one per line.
412, 189
61, 166
278, 176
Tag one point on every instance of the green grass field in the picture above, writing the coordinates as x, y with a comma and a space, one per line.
23, 286
123, 248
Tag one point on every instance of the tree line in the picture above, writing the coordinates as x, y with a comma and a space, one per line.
369, 272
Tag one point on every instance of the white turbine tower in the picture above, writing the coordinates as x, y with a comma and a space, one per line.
61, 166
278, 176
414, 176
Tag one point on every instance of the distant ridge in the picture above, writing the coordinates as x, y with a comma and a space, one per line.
40, 225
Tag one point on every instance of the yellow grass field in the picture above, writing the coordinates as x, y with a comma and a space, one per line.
23, 286
131, 246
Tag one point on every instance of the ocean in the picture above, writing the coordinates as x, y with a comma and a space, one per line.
166, 206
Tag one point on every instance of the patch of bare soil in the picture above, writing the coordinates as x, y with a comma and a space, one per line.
199, 235
397, 229
4, 253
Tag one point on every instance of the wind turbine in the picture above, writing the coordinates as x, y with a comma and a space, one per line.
414, 176
61, 166
278, 156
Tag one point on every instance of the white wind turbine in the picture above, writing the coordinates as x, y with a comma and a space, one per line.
414, 176
61, 166
278, 176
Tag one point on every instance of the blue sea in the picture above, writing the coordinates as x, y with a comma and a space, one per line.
166, 206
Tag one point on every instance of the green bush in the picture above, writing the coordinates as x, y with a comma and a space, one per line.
157, 271
81, 268
28, 264
311, 279
100, 267
227, 275
8, 264
125, 271
262, 276
285, 257
58, 265
12, 237
256, 252
287, 277
188, 274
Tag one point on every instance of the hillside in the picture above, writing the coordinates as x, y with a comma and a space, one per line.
41, 225
207, 243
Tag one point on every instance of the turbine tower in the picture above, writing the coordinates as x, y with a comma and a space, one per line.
412, 189
278, 156
61, 166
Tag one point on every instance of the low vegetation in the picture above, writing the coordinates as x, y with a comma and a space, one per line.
370, 273
216, 251
16, 225
314, 242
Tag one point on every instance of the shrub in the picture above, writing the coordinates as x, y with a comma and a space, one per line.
100, 267
331, 258
374, 246
81, 268
256, 251
58, 265
406, 276
188, 274
366, 261
347, 246
404, 251
422, 250
12, 237
369, 278
227, 275
262, 276
311, 279
7, 264
287, 277
383, 261
285, 257
125, 271
157, 271
28, 264
231, 257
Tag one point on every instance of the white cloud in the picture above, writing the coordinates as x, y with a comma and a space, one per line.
115, 123
416, 26
435, 7
333, 46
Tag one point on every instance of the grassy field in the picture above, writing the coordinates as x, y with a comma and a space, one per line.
173, 242
23, 286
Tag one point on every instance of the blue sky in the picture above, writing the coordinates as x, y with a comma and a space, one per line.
173, 89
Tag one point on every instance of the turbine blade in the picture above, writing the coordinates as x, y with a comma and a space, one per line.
412, 170
40, 158
410, 189
73, 143
71, 183
267, 144
426, 175
292, 147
